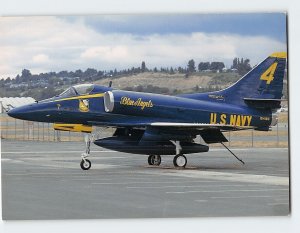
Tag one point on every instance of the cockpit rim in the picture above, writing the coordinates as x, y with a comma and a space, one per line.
75, 90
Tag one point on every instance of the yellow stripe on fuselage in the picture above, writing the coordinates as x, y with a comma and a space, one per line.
73, 127
82, 97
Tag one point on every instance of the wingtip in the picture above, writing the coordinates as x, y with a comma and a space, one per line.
279, 55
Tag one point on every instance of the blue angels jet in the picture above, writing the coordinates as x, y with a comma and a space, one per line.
156, 125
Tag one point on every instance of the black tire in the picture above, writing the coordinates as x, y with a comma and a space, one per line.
154, 160
85, 165
180, 161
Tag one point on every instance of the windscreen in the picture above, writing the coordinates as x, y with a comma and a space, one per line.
69, 92
83, 89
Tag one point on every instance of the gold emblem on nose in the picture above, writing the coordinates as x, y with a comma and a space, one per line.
83, 105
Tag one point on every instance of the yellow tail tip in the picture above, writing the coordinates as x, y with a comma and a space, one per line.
279, 55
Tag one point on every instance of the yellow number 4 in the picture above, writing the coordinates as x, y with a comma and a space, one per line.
268, 75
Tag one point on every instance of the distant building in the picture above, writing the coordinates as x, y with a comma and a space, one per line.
7, 103
18, 85
224, 69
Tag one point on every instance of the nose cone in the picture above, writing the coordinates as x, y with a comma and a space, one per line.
41, 112
20, 112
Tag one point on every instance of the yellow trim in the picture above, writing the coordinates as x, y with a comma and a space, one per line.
73, 127
279, 55
82, 97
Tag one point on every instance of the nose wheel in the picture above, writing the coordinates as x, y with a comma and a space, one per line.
85, 164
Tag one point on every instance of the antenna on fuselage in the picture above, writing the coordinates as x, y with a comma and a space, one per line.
110, 83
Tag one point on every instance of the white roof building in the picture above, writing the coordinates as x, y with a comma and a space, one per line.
7, 103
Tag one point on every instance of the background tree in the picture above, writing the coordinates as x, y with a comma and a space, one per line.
143, 66
89, 72
26, 75
234, 63
2, 82
18, 79
217, 66
203, 66
191, 66
78, 73
8, 80
172, 70
243, 66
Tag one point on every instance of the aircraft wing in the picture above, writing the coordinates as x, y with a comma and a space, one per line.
170, 125
197, 126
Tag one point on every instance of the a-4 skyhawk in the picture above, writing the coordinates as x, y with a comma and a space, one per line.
156, 125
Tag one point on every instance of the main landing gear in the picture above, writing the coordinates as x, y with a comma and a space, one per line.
154, 160
178, 161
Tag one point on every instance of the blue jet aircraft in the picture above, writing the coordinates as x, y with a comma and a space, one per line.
156, 125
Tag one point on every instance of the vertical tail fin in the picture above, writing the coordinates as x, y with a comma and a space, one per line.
259, 88
262, 86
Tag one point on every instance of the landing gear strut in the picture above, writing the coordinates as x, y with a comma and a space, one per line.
179, 160
154, 160
86, 164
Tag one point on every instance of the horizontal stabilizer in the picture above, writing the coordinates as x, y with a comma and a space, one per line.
263, 103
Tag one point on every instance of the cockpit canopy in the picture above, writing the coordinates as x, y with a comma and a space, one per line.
81, 89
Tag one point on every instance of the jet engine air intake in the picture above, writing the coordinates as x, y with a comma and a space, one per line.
108, 101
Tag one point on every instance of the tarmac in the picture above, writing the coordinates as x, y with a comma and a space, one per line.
43, 180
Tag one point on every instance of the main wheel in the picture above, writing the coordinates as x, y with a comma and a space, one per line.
179, 160
154, 160
85, 164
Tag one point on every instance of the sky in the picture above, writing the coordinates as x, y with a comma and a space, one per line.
106, 42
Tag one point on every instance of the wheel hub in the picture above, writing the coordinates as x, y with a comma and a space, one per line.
180, 161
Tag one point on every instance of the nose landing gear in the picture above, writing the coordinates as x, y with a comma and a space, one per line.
86, 164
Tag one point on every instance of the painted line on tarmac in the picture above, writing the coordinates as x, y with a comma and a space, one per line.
223, 176
226, 191
149, 182
193, 186
248, 149
255, 196
283, 203
55, 152
6, 160
201, 201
